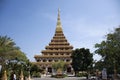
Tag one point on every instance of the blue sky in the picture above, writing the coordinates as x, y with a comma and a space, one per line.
31, 23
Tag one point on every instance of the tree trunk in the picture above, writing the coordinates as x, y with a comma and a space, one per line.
76, 73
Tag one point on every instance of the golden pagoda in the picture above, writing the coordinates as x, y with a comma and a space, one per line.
59, 49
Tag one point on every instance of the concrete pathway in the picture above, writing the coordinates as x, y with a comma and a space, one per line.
66, 78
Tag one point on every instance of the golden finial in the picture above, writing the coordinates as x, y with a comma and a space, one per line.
59, 26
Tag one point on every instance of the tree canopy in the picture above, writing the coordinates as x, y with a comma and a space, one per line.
11, 57
81, 59
59, 66
6, 47
9, 50
109, 49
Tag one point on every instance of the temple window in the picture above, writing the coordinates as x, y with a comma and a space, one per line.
56, 60
51, 54
67, 53
50, 60
44, 60
45, 54
62, 54
67, 60
38, 60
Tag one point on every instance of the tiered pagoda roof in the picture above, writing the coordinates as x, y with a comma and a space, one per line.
59, 47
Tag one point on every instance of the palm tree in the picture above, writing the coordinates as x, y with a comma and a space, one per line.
9, 53
6, 46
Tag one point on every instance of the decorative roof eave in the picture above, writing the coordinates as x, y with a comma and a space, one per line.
43, 63
51, 51
52, 56
63, 43
64, 46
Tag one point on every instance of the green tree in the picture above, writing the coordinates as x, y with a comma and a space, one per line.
109, 49
59, 66
81, 60
35, 70
11, 57
6, 47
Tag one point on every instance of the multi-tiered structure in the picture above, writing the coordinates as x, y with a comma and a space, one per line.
58, 50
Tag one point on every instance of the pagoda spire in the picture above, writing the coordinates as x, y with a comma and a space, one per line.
58, 26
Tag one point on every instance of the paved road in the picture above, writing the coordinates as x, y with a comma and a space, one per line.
67, 78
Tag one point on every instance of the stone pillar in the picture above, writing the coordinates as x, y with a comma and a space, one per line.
65, 60
46, 70
53, 60
47, 60
41, 60
53, 71
72, 70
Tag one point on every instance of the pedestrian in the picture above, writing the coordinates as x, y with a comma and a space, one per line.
89, 76
97, 74
11, 76
104, 74
14, 76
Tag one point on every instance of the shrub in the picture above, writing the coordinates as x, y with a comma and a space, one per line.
59, 76
81, 74
36, 74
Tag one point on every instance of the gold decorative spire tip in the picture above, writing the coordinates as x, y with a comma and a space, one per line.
59, 26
